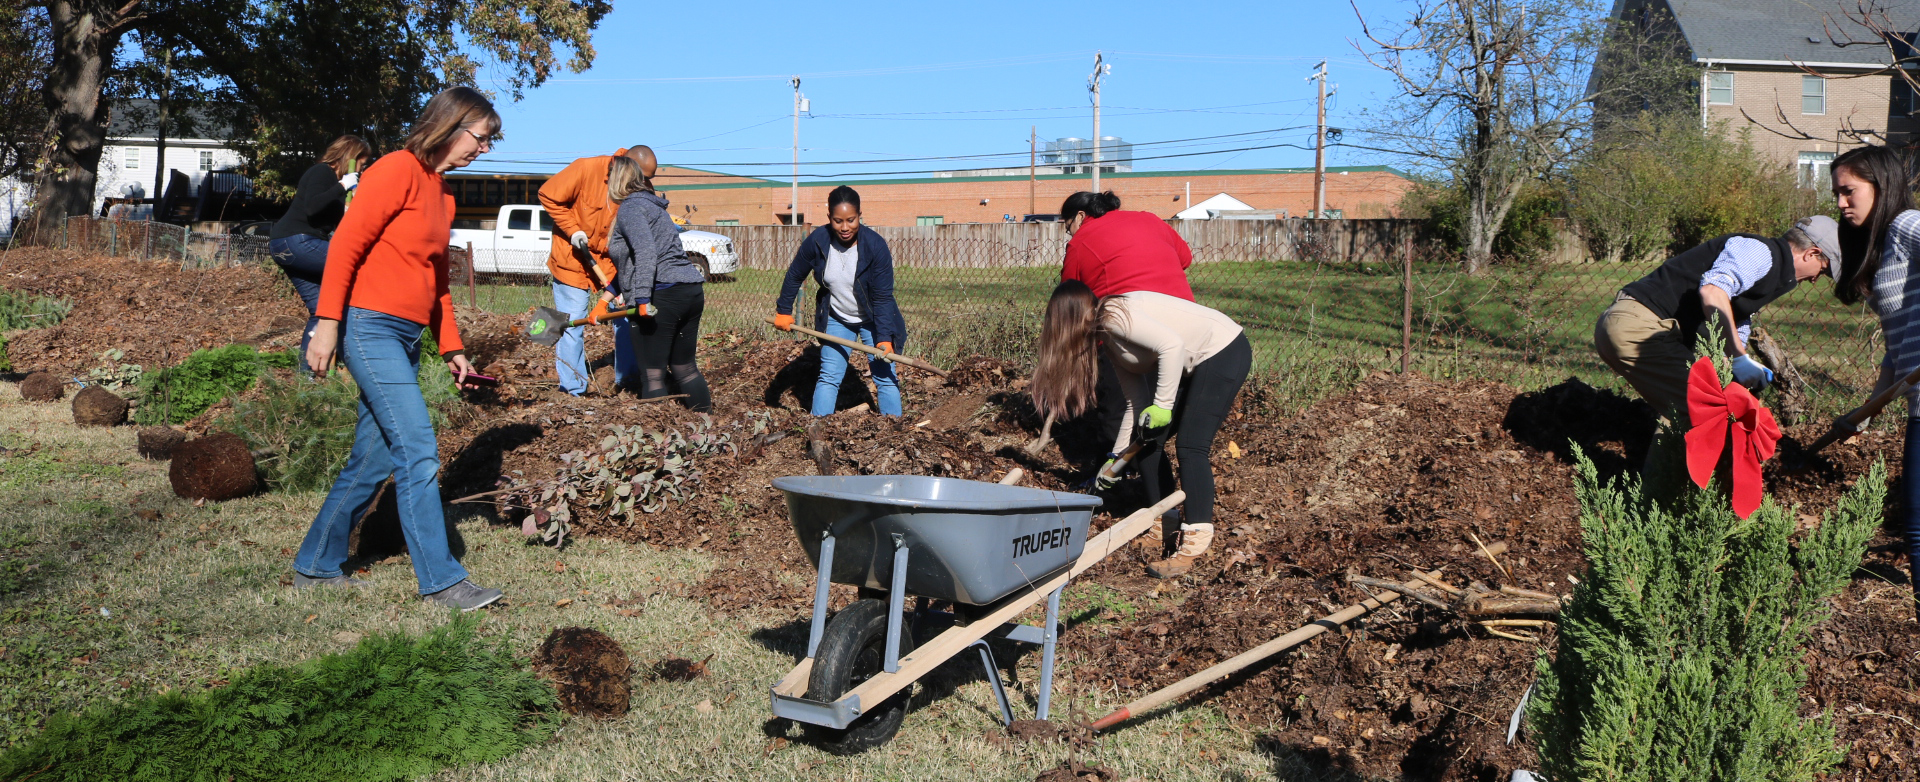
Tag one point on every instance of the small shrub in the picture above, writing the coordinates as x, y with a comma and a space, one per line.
306, 426
19, 310
178, 393
630, 473
394, 708
1527, 234
5, 365
112, 374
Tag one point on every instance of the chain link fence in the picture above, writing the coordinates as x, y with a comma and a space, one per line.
1324, 302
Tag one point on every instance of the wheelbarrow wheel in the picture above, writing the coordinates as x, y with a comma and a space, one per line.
852, 650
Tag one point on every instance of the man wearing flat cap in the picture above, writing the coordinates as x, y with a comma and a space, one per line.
1647, 336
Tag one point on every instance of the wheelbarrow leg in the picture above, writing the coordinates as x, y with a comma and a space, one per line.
820, 596
896, 604
993, 678
1046, 653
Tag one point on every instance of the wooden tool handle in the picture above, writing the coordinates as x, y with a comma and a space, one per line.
894, 357
1872, 408
1113, 469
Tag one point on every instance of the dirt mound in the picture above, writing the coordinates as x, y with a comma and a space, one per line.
1071, 770
42, 387
158, 442
975, 373
216, 467
589, 669
96, 406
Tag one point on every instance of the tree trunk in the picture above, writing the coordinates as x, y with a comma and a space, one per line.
85, 35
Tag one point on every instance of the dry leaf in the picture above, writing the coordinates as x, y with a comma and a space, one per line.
311, 617
777, 744
559, 567
628, 612
704, 707
1233, 449
563, 602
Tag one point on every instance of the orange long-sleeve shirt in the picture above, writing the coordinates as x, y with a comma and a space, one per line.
576, 199
390, 252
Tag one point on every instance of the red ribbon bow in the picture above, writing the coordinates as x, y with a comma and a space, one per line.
1715, 410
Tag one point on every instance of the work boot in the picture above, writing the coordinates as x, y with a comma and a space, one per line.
1194, 540
1156, 538
304, 581
466, 596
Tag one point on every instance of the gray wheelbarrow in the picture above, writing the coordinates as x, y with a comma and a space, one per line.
993, 551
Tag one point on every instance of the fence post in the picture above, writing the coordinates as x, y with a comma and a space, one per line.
1406, 303
113, 238
473, 297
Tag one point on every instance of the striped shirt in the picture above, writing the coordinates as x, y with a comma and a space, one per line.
1742, 263
1896, 298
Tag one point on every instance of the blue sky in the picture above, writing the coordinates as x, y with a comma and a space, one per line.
706, 84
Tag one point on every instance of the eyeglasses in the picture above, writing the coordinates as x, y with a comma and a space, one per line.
486, 143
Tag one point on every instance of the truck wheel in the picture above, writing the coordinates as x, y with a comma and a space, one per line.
852, 650
706, 270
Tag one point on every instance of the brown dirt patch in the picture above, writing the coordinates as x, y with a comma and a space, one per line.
158, 442
589, 669
216, 467
679, 669
96, 406
1071, 770
42, 387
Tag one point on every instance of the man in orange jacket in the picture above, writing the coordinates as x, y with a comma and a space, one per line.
576, 199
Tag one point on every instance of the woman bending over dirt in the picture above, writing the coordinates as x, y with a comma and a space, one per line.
1179, 364
854, 270
1880, 246
652, 272
299, 240
386, 279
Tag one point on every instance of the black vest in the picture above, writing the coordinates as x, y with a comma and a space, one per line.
1673, 290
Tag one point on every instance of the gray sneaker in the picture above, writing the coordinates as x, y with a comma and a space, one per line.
304, 581
466, 596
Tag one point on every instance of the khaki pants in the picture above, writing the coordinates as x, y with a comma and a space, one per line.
1648, 351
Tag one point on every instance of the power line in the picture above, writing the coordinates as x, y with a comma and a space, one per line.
953, 66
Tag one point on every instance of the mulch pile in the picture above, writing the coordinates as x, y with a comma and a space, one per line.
1397, 474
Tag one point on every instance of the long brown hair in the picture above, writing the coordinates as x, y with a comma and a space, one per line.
347, 148
1068, 368
446, 114
1861, 248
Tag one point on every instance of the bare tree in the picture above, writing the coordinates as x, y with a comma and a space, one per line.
1494, 93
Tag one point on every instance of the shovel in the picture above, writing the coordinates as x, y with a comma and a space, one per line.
1849, 424
1115, 468
548, 323
847, 343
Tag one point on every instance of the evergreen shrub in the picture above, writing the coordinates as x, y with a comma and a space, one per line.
1680, 656
178, 393
20, 310
394, 708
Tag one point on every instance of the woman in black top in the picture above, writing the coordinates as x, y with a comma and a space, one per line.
299, 240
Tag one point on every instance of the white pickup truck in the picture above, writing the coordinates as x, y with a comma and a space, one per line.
522, 237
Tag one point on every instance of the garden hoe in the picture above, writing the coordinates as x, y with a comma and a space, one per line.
1849, 425
847, 343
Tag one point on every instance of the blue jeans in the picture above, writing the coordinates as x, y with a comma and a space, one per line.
304, 258
833, 367
570, 356
394, 437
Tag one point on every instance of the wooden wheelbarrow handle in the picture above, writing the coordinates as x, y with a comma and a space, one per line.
1872, 408
847, 343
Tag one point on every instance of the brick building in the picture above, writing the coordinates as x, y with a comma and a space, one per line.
1774, 68
708, 198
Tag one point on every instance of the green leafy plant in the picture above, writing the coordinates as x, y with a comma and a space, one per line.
1680, 654
305, 427
394, 708
113, 374
20, 310
180, 392
632, 472
5, 364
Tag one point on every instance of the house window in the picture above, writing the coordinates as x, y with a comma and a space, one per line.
1813, 95
930, 220
726, 222
133, 158
1902, 99
1813, 168
206, 160
1720, 88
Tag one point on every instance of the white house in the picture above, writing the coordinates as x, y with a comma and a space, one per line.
131, 158
1205, 209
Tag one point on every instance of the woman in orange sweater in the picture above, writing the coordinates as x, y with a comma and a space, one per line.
386, 279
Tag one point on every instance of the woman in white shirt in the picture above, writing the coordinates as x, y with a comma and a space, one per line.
854, 271
1180, 366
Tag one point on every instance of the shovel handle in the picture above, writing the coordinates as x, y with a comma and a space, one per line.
1872, 408
847, 343
1119, 465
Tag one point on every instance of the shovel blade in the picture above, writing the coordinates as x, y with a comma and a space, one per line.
547, 325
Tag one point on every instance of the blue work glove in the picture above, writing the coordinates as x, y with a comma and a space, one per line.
1751, 373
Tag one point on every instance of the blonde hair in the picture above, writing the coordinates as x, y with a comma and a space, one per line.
347, 148
624, 178
446, 114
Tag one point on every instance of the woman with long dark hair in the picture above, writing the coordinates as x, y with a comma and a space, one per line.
299, 238
854, 271
1180, 365
651, 271
386, 281
1880, 249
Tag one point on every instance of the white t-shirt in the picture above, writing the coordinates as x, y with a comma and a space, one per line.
842, 264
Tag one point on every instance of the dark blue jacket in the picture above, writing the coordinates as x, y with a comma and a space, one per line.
872, 284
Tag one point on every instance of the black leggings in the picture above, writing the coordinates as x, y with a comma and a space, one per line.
1206, 395
668, 341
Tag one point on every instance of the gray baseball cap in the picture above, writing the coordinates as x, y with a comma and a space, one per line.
1825, 232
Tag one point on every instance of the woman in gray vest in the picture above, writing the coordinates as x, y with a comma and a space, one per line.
1648, 335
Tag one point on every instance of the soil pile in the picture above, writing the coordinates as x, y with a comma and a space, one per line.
96, 406
41, 386
158, 442
216, 467
589, 669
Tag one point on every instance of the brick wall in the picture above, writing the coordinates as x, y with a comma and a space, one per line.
1359, 192
1766, 95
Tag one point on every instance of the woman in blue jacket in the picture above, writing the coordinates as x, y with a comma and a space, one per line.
854, 271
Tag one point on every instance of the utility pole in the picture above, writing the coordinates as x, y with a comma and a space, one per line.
1320, 146
1100, 69
1033, 149
793, 209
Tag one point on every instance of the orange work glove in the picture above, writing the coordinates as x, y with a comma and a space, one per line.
783, 322
885, 347
598, 313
